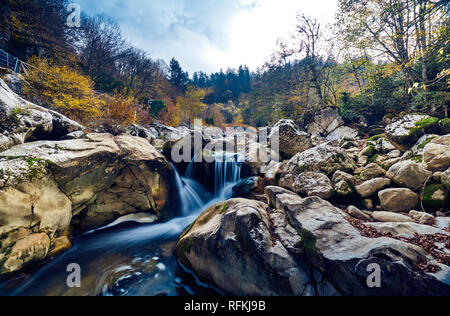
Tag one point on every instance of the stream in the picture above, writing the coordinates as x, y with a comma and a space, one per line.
132, 259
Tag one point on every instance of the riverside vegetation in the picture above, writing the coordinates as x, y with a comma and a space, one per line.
361, 177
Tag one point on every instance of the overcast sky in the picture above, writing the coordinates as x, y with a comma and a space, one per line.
209, 35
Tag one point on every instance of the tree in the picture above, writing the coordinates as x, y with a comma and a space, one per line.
157, 107
406, 33
64, 89
177, 77
191, 104
35, 27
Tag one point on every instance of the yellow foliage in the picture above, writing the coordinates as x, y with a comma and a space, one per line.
191, 104
63, 88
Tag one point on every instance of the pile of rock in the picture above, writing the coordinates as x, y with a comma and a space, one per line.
388, 205
55, 179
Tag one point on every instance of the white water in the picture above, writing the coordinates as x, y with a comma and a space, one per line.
137, 243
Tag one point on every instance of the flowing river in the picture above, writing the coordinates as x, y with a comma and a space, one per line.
132, 258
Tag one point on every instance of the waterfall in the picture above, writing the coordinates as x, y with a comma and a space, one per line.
190, 170
134, 244
188, 192
227, 173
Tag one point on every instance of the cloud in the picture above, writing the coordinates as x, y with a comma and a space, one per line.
204, 34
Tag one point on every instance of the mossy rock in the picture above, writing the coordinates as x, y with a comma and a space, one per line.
369, 151
435, 196
376, 137
427, 126
348, 145
444, 126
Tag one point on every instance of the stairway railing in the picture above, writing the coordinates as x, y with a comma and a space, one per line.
11, 63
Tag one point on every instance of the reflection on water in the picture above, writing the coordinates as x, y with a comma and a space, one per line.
130, 259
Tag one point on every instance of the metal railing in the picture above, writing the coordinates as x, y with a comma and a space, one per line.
11, 63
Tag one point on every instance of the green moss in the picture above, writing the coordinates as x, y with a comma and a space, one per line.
418, 159
348, 145
432, 201
224, 208
375, 138
375, 157
33, 170
309, 242
428, 125
186, 245
444, 126
422, 146
5, 257
369, 151
427, 122
348, 139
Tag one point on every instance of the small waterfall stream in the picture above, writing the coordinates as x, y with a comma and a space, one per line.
131, 258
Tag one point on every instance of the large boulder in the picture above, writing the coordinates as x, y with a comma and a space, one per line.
436, 155
309, 183
234, 246
22, 121
406, 131
325, 158
408, 174
290, 140
398, 200
325, 122
299, 247
50, 186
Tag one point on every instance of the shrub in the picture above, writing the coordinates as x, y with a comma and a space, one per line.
64, 89
119, 112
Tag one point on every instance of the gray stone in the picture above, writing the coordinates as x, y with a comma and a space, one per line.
391, 217
405, 132
290, 140
369, 188
357, 213
372, 171
408, 174
398, 200
436, 154
323, 158
309, 183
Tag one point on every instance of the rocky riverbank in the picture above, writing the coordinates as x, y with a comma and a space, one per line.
309, 219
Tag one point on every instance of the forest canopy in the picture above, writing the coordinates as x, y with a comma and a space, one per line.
380, 58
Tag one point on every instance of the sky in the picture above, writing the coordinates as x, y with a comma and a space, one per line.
209, 35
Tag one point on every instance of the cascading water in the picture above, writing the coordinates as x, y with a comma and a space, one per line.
227, 173
134, 259
188, 189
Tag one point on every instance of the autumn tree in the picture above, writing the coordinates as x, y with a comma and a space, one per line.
31, 27
63, 89
191, 104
